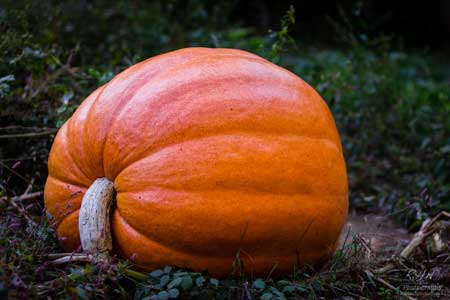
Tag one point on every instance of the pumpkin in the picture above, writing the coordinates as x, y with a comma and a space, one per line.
206, 153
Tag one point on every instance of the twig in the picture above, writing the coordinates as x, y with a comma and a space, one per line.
247, 292
52, 284
64, 258
135, 274
26, 135
19, 127
364, 243
59, 255
64, 68
350, 293
30, 186
428, 227
23, 197
14, 172
45, 82
22, 212
387, 284
16, 159
439, 215
72, 258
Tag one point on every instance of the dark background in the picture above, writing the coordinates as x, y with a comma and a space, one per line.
415, 23
412, 24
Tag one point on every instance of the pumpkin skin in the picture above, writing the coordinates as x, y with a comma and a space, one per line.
211, 151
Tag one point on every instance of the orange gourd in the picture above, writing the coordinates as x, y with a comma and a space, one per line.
209, 152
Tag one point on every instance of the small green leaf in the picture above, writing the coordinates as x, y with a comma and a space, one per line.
276, 292
214, 282
156, 273
164, 280
301, 287
81, 293
259, 284
174, 293
9, 77
180, 274
174, 283
67, 96
200, 281
266, 296
289, 289
163, 295
186, 284
283, 282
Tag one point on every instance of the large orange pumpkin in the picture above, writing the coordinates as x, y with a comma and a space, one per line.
210, 152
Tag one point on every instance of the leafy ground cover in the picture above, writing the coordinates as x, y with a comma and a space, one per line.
391, 106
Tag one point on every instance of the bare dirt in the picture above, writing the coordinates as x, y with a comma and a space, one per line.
381, 234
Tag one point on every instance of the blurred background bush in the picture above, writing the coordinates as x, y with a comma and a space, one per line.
382, 67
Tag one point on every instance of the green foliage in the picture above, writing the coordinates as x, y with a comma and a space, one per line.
392, 111
172, 283
283, 39
343, 276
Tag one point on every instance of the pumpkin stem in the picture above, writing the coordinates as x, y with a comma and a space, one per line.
94, 219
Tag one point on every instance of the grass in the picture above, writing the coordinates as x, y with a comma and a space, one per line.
391, 107
29, 273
